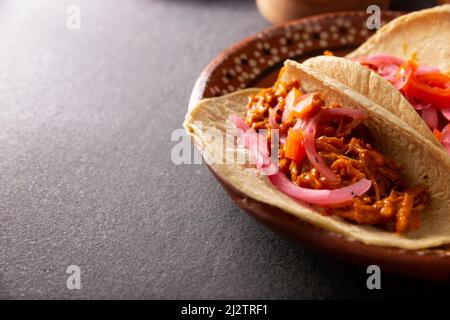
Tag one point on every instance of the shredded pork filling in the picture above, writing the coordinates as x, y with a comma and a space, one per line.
345, 146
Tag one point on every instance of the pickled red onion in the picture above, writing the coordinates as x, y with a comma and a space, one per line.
300, 124
430, 116
446, 113
320, 196
238, 122
418, 105
388, 65
315, 196
310, 145
272, 118
411, 80
389, 72
446, 137
257, 145
380, 59
425, 69
401, 81
252, 141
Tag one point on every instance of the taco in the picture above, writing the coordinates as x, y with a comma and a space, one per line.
410, 55
345, 164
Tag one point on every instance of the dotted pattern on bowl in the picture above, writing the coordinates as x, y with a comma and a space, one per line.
243, 63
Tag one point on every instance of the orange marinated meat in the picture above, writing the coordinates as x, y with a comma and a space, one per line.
345, 145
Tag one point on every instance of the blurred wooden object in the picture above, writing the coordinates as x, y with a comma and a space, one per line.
277, 11
443, 1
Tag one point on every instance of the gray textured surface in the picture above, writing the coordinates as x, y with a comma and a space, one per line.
85, 174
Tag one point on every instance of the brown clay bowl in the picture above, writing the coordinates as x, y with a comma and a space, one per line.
255, 62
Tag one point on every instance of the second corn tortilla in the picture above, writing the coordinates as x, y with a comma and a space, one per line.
425, 33
372, 86
425, 163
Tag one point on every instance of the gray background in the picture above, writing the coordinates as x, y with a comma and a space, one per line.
86, 118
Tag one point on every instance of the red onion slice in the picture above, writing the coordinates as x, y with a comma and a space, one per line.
401, 81
446, 137
256, 143
252, 143
310, 144
315, 196
387, 66
320, 196
446, 113
419, 105
425, 69
430, 116
389, 72
380, 59
272, 118
238, 122
300, 124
